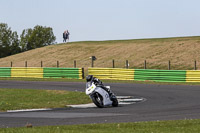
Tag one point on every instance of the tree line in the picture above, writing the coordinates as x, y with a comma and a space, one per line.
11, 43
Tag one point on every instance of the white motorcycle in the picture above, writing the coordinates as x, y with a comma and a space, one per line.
99, 96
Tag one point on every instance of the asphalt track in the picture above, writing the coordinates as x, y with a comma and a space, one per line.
163, 102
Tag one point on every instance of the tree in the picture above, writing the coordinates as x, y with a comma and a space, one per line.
9, 43
38, 37
24, 42
14, 48
30, 39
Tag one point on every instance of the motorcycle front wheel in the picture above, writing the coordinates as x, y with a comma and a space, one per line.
97, 100
115, 102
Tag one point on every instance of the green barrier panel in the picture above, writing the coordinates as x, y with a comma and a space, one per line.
160, 75
73, 73
5, 72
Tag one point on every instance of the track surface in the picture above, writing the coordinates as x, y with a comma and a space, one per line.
163, 102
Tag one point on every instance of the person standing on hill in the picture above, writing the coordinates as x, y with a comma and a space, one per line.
67, 35
64, 36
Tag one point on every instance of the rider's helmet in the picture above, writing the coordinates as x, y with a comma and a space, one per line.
89, 78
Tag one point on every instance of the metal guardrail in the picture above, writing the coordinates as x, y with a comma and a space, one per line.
139, 74
34, 72
104, 73
112, 73
193, 76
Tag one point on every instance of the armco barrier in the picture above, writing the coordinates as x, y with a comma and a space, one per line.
112, 73
193, 76
5, 72
28, 72
104, 73
24, 72
75, 73
160, 75
139, 74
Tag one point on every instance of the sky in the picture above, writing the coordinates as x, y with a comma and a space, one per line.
97, 20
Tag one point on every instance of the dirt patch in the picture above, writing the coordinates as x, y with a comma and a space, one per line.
57, 91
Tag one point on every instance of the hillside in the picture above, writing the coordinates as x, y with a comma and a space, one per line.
181, 51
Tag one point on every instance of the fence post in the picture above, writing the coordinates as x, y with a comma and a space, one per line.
113, 63
11, 64
127, 65
57, 64
25, 63
195, 65
41, 64
145, 64
83, 73
93, 58
169, 65
92, 63
74, 63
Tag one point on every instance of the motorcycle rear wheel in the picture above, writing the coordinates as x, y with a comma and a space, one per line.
97, 100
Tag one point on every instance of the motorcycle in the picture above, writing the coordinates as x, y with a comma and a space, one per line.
100, 96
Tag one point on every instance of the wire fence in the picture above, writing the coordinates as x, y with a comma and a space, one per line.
167, 65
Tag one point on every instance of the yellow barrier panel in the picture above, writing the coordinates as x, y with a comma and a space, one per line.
80, 73
112, 73
193, 76
24, 72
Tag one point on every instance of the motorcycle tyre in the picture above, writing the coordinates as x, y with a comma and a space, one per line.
95, 100
115, 102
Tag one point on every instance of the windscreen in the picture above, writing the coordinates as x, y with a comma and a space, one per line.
88, 84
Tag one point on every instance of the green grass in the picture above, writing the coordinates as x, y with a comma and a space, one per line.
44, 79
13, 99
104, 81
178, 126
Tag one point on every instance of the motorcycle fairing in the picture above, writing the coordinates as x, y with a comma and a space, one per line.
105, 95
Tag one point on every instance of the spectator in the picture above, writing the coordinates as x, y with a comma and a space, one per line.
67, 35
64, 36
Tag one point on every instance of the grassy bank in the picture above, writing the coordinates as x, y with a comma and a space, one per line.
181, 51
178, 126
13, 99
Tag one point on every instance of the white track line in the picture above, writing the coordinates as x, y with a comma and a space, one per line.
124, 97
27, 110
90, 105
130, 100
122, 101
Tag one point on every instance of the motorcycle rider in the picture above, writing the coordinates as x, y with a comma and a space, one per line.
99, 83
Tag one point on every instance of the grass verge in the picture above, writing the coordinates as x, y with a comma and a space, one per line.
13, 99
177, 126
44, 79
104, 81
